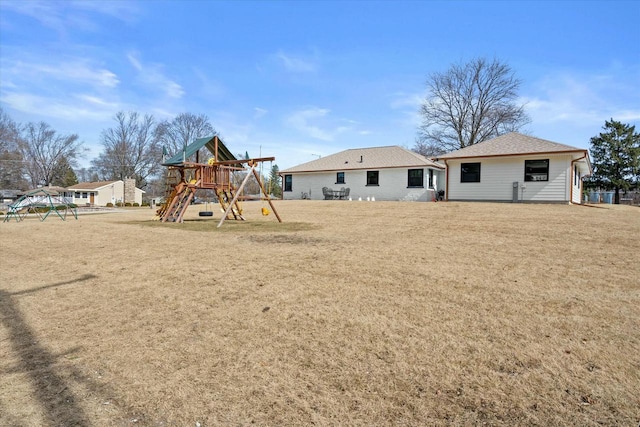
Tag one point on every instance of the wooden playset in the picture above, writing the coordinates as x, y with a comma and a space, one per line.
185, 178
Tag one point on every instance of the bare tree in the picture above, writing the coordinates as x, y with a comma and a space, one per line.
11, 162
427, 148
131, 149
183, 130
470, 103
44, 151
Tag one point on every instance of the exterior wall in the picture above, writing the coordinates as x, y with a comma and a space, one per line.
138, 196
392, 185
578, 172
497, 175
110, 193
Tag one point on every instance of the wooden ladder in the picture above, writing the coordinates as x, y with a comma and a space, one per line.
177, 203
225, 197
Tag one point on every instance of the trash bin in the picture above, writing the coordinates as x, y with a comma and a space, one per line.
607, 197
594, 197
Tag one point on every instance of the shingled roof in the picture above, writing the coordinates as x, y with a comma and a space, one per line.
511, 144
90, 185
366, 158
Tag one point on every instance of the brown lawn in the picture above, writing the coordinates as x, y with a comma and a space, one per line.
348, 313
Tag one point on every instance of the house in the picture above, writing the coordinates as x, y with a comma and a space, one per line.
103, 192
516, 167
383, 173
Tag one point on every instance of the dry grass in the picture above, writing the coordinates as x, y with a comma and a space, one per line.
349, 313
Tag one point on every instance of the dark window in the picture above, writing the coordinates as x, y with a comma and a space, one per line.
288, 182
576, 176
372, 177
470, 172
340, 178
430, 178
416, 178
536, 170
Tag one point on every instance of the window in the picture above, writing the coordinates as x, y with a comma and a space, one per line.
340, 178
430, 178
288, 183
372, 177
470, 172
536, 170
416, 178
84, 195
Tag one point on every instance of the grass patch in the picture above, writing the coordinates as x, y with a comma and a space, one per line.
230, 226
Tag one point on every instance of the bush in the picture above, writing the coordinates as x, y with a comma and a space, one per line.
128, 204
136, 204
109, 205
119, 204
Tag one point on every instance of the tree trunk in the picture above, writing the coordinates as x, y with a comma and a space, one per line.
616, 198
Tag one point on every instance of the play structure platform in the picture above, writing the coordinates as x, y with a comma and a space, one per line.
185, 177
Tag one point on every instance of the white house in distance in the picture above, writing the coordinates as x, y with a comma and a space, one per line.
103, 192
516, 167
383, 173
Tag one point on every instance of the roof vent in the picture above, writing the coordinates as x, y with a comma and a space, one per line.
360, 159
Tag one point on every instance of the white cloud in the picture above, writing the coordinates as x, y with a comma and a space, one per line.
73, 71
581, 100
302, 121
296, 64
259, 112
403, 100
63, 16
74, 108
151, 75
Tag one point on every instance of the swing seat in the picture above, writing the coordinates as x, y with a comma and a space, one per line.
265, 211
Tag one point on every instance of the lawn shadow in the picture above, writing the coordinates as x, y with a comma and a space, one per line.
52, 391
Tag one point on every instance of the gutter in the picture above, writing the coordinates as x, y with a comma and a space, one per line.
572, 172
446, 180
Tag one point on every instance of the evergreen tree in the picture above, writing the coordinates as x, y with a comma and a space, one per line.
616, 157
274, 185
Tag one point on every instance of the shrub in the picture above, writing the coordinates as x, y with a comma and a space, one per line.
109, 205
136, 204
119, 204
128, 204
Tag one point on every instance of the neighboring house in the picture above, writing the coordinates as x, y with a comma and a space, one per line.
103, 192
383, 173
516, 167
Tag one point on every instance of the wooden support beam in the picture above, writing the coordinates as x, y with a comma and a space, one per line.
235, 197
275, 212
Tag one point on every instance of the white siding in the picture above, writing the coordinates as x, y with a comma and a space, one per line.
392, 185
498, 174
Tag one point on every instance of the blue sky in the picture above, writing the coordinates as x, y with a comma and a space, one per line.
296, 80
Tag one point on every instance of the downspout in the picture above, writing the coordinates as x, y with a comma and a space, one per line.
573, 178
446, 181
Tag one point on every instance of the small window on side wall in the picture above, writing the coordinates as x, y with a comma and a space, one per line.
288, 182
416, 178
536, 170
470, 172
340, 178
372, 177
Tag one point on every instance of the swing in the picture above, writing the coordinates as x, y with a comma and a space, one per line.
264, 210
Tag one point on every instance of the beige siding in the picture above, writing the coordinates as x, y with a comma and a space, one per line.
392, 185
498, 174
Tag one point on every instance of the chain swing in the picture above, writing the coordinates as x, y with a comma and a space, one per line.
265, 211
